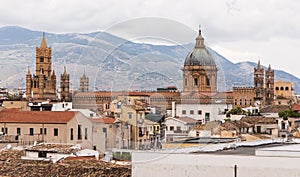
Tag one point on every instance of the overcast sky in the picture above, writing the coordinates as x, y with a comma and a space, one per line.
239, 30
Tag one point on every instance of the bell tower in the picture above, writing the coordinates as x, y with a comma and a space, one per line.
84, 83
259, 85
269, 90
42, 84
43, 59
65, 86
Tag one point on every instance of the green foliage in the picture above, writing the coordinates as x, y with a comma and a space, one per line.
288, 113
122, 156
238, 111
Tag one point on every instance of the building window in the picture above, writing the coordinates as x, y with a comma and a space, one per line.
195, 81
130, 115
207, 81
191, 112
258, 84
199, 112
5, 130
185, 81
171, 128
178, 128
41, 59
281, 88
19, 131
207, 118
85, 133
286, 88
119, 104
31, 130
79, 136
41, 131
42, 154
183, 112
55, 131
71, 134
277, 88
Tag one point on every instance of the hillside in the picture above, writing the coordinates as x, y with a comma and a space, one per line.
112, 63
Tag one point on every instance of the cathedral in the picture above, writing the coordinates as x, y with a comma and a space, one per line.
263, 86
42, 84
200, 71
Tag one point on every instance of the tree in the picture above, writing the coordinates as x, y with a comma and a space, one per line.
288, 113
237, 111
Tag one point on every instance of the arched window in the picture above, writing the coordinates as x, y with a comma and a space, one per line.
195, 81
34, 84
277, 88
286, 88
207, 81
281, 88
185, 81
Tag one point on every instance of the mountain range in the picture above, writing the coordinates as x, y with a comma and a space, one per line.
112, 63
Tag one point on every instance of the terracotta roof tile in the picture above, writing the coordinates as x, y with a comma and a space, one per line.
296, 107
105, 120
36, 117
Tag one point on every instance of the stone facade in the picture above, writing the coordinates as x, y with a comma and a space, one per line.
259, 84
243, 96
65, 86
42, 85
262, 94
84, 83
269, 87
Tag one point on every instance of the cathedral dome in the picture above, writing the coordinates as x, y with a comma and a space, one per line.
200, 55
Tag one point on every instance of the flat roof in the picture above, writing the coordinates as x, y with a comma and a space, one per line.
280, 151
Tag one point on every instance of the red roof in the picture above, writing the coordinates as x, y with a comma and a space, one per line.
296, 107
105, 120
36, 117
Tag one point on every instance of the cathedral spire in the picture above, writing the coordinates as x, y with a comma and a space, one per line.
65, 71
199, 40
28, 71
258, 64
269, 67
84, 73
43, 43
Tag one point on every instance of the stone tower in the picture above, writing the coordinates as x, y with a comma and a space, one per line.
269, 86
65, 86
200, 71
84, 83
42, 85
259, 85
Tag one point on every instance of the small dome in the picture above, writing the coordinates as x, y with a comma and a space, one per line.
200, 55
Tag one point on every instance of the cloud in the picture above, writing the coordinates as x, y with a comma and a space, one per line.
238, 27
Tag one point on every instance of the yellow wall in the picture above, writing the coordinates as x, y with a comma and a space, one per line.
285, 89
